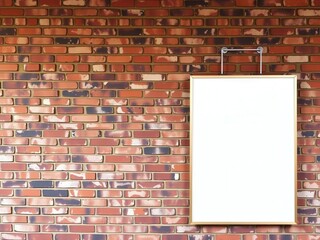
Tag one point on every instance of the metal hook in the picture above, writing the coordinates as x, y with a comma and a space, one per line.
225, 50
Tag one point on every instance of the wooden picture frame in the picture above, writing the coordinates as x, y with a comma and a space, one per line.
243, 150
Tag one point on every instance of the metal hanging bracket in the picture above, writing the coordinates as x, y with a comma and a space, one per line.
225, 50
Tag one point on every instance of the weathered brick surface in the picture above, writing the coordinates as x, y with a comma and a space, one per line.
95, 112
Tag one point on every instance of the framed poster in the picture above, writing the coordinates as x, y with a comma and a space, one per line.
243, 150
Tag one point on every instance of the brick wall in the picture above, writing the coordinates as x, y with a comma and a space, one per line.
94, 123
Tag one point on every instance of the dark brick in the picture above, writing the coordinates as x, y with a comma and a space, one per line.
41, 184
130, 31
94, 236
196, 3
105, 50
103, 93
55, 228
95, 185
194, 68
168, 102
181, 110
307, 31
70, 40
311, 126
140, 68
28, 133
114, 118
23, 58
222, 3
41, 126
182, 12
8, 31
116, 85
67, 202
243, 40
203, 32
318, 158
99, 110
166, 22
312, 220
308, 133
282, 12
14, 184
306, 49
161, 229
157, 150
92, 85
315, 76
200, 237
40, 84
28, 49
137, 102
6, 149
67, 22
122, 185
232, 12
307, 211
269, 3
281, 237
306, 176
130, 110
67, 93
60, 12
27, 101
211, 22
55, 193
141, 40
299, 151
70, 110
237, 22
269, 40
27, 76
103, 77
128, 12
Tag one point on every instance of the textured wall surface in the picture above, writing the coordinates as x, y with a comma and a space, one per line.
94, 121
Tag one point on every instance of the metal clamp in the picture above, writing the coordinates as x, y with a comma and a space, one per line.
225, 50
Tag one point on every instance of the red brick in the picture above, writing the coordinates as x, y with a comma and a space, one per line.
84, 118
8, 67
10, 11
121, 59
55, 150
81, 228
292, 3
42, 41
32, 67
